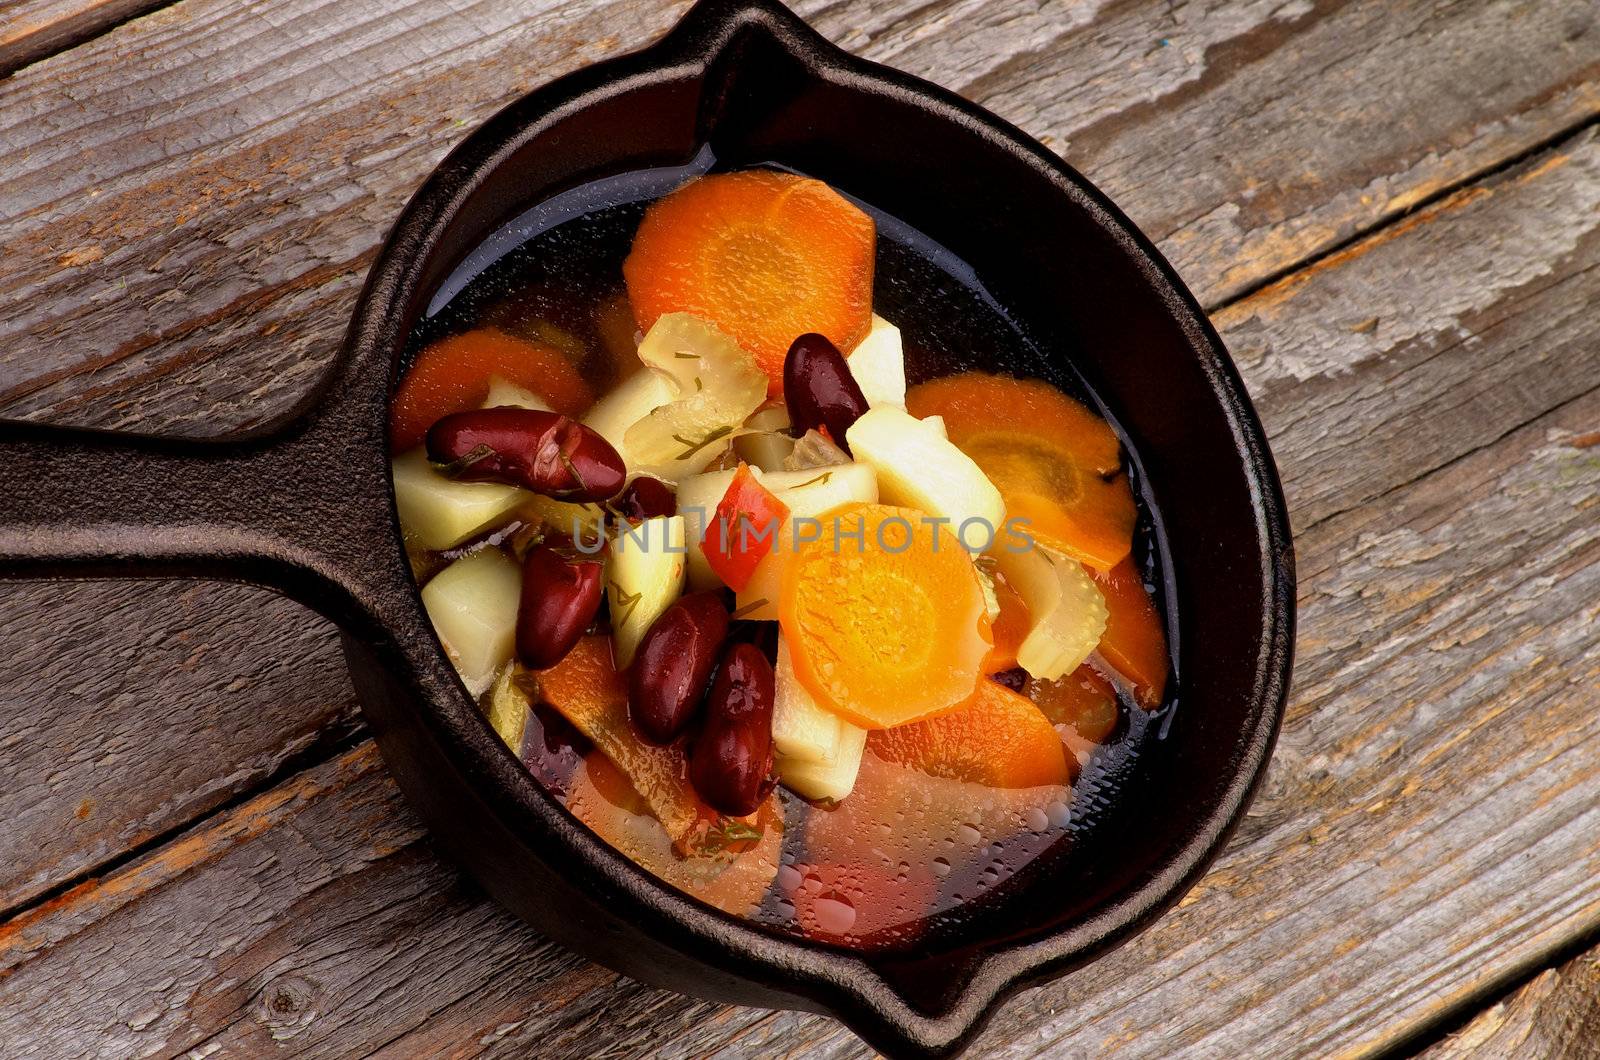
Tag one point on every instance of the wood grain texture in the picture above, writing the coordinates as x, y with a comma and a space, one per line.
188, 203
1555, 1015
1427, 824
1436, 336
30, 30
123, 715
1246, 137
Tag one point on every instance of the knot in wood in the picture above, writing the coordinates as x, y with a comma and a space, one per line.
288, 1005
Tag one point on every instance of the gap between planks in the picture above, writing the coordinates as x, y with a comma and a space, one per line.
290, 771
1394, 222
40, 29
1451, 1035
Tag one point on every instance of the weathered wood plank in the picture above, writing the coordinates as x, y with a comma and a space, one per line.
266, 929
1425, 824
1555, 1015
125, 714
182, 237
1436, 336
1247, 137
33, 29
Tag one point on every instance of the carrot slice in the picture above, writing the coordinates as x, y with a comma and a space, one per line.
1057, 464
453, 374
1010, 627
586, 687
883, 614
1134, 643
997, 737
764, 256
1083, 701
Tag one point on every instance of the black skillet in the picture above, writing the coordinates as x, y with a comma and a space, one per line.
304, 506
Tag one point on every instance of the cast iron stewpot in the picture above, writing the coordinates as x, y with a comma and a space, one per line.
304, 506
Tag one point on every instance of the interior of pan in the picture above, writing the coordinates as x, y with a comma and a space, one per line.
1098, 309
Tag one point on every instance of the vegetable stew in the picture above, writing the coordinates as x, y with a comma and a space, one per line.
768, 541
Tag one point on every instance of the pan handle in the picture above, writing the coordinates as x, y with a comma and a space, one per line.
301, 506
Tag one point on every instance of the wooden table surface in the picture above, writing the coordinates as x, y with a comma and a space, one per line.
1391, 207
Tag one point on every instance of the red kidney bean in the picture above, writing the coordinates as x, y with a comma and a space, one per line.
668, 678
646, 498
542, 451
819, 389
732, 755
560, 597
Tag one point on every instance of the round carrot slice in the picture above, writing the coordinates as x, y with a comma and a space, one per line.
765, 256
883, 614
1056, 463
453, 375
997, 737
